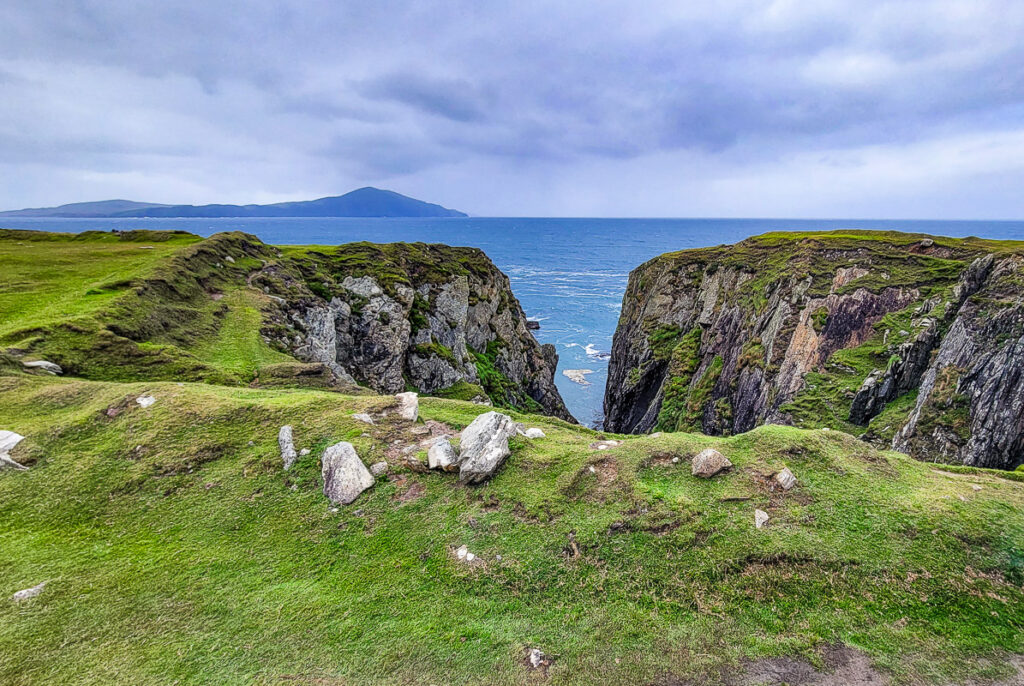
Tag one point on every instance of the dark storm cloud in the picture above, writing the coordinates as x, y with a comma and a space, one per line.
432, 96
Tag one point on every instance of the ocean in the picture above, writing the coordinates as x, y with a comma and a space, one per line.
569, 274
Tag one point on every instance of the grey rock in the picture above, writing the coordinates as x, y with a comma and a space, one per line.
408, 406
43, 365
709, 462
534, 432
442, 455
363, 417
378, 468
287, 446
785, 479
28, 593
760, 518
484, 446
8, 440
304, 452
345, 476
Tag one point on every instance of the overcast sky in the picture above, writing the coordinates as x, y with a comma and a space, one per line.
681, 108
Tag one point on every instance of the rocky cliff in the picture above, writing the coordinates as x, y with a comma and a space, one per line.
909, 340
434, 318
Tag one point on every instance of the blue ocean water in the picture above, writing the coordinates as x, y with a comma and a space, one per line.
569, 274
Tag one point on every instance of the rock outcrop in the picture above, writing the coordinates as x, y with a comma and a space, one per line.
831, 329
440, 319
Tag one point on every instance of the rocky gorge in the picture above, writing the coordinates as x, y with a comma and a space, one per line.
910, 341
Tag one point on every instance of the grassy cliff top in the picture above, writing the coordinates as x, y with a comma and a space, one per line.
176, 549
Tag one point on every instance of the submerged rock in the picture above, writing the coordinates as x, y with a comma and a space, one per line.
345, 476
484, 446
287, 446
709, 462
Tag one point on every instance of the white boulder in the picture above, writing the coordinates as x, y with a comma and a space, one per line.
709, 462
345, 475
534, 432
287, 446
760, 518
785, 479
43, 365
408, 406
441, 455
9, 439
28, 593
484, 446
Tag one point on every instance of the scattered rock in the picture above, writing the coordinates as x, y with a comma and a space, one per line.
605, 445
414, 463
760, 518
9, 439
535, 658
484, 446
345, 475
229, 259
785, 479
28, 593
675, 460
304, 452
534, 433
378, 468
43, 365
709, 462
284, 442
408, 406
363, 417
463, 555
145, 401
976, 487
442, 455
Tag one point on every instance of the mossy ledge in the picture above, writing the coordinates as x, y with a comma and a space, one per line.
913, 341
232, 310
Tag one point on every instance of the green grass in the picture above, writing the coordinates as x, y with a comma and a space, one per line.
237, 346
177, 552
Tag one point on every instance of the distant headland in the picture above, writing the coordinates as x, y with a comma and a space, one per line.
364, 202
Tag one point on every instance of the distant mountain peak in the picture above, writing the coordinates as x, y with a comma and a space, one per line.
362, 202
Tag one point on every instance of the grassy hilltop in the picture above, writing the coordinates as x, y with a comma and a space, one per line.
176, 549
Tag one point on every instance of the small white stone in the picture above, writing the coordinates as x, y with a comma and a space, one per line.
145, 400
462, 552
785, 479
760, 518
675, 460
363, 417
536, 658
304, 452
976, 487
602, 447
28, 593
470, 557
534, 433
230, 259
593, 469
378, 468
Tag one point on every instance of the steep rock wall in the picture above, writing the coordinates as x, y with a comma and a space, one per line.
908, 340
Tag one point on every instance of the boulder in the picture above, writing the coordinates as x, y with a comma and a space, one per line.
484, 446
785, 479
28, 593
345, 475
43, 365
363, 417
408, 406
287, 446
709, 462
760, 518
534, 433
9, 439
442, 455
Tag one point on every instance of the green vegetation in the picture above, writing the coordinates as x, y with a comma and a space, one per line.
681, 408
176, 549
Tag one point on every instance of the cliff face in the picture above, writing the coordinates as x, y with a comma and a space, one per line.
912, 341
438, 319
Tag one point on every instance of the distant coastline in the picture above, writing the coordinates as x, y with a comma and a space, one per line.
363, 202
